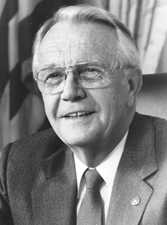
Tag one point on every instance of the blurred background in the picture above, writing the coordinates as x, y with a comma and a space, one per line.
21, 108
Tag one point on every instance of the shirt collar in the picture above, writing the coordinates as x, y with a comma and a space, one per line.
107, 168
80, 169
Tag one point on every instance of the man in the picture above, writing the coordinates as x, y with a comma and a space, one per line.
101, 163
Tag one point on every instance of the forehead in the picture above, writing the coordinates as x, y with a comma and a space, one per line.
67, 44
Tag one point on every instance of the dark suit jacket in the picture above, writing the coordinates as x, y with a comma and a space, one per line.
38, 184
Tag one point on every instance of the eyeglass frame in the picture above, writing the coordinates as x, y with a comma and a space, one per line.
104, 71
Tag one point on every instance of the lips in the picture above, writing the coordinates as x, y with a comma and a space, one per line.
77, 114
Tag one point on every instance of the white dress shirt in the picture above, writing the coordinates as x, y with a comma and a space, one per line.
107, 169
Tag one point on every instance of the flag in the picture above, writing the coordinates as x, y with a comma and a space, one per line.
21, 109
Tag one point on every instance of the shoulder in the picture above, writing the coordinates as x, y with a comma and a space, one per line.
20, 161
154, 129
151, 122
37, 145
29, 152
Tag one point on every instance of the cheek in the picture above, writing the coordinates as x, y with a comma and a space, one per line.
112, 103
106, 101
50, 105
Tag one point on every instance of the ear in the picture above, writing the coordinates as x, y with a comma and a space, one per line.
135, 81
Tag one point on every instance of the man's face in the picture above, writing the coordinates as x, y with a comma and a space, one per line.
78, 115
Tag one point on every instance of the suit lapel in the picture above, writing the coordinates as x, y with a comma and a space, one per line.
53, 199
132, 188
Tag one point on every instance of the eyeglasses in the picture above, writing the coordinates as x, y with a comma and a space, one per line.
52, 80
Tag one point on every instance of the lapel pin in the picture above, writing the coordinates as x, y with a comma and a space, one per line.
135, 201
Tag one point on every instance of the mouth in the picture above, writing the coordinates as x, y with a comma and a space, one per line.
75, 115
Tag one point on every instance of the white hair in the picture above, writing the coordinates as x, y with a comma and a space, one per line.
127, 54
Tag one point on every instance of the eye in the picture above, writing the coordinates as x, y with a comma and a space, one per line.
53, 75
91, 73
54, 78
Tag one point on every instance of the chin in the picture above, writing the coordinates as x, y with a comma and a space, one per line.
79, 133
77, 138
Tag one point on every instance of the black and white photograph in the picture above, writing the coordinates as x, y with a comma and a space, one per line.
83, 112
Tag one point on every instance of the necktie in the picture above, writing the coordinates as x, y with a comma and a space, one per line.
91, 209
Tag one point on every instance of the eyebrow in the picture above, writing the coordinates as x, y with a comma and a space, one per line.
80, 64
48, 67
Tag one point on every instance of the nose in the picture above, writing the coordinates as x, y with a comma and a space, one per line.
72, 91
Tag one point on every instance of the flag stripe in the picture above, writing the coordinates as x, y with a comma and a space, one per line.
9, 11
26, 7
18, 91
4, 118
2, 5
13, 42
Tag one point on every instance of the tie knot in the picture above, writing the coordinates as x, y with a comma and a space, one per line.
93, 179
